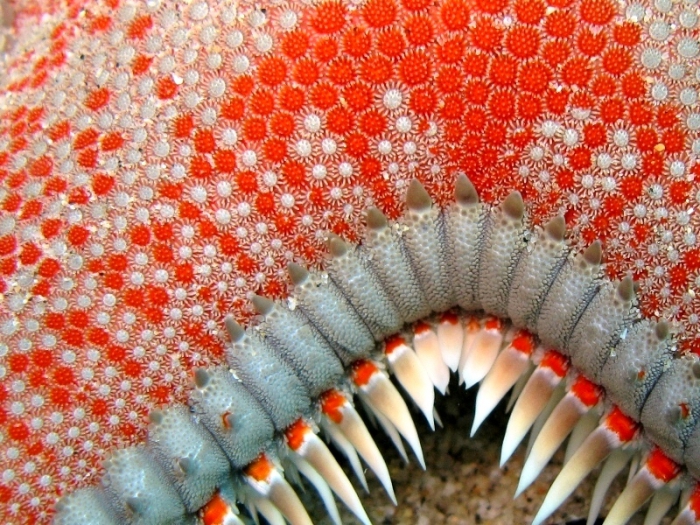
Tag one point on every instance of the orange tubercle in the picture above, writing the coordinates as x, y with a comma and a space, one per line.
523, 342
661, 466
587, 391
296, 433
260, 469
332, 401
493, 323
557, 362
216, 511
450, 317
362, 371
421, 327
624, 426
391, 344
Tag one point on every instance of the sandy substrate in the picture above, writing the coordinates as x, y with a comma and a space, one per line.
463, 483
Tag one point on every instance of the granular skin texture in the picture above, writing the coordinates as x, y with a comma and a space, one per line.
161, 161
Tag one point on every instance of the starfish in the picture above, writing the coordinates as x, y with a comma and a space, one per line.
162, 162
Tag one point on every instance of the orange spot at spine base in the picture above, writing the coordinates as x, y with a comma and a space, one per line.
523, 342
492, 323
296, 433
557, 362
449, 317
362, 371
332, 401
166, 88
661, 466
139, 27
260, 469
393, 343
215, 511
421, 327
624, 426
588, 392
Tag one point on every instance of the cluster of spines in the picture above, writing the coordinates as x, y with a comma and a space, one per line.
288, 371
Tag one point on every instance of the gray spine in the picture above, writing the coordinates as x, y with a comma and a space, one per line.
600, 327
466, 223
140, 490
635, 366
194, 462
387, 256
333, 316
424, 239
540, 264
673, 406
358, 282
271, 381
303, 348
503, 245
233, 416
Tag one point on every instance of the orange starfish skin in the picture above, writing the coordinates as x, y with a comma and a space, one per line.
161, 161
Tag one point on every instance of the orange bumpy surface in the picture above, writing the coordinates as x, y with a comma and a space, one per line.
161, 160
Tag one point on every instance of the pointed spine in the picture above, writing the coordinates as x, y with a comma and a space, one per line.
424, 238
